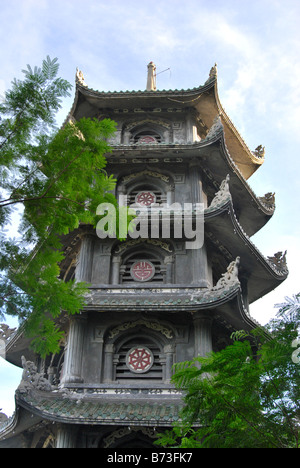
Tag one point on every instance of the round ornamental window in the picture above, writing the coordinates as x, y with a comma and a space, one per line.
147, 140
142, 270
139, 359
145, 198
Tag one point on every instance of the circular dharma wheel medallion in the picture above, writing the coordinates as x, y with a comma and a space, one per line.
142, 270
139, 359
147, 140
145, 198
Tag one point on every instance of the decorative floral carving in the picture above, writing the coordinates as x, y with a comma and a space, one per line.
146, 172
124, 431
162, 244
152, 325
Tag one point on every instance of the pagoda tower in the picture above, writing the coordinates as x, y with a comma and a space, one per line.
154, 300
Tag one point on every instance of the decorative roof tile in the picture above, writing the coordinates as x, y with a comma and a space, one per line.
98, 411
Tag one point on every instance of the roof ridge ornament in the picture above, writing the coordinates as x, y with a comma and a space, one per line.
223, 195
230, 277
79, 78
279, 261
213, 74
268, 200
216, 128
32, 379
259, 152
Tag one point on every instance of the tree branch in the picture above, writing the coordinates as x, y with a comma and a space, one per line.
24, 200
61, 172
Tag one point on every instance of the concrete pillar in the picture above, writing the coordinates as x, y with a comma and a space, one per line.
101, 261
169, 261
189, 129
72, 372
203, 334
169, 352
199, 256
195, 182
126, 137
170, 194
116, 261
108, 363
83, 270
66, 437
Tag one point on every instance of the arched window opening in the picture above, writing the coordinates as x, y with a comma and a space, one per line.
147, 137
145, 188
129, 437
146, 194
147, 132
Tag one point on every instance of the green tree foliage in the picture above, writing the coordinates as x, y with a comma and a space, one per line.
245, 396
53, 180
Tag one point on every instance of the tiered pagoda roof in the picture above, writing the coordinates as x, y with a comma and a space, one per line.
204, 99
233, 215
230, 220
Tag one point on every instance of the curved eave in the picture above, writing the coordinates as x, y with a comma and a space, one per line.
18, 345
11, 431
244, 158
90, 103
225, 302
251, 210
216, 161
210, 106
176, 297
52, 407
205, 99
223, 228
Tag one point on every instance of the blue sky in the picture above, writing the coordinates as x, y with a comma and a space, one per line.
256, 47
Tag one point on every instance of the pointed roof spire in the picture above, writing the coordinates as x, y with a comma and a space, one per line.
151, 79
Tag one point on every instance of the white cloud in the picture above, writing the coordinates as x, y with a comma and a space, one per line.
10, 377
258, 62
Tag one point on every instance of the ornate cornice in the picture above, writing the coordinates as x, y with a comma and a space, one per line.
174, 298
151, 324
